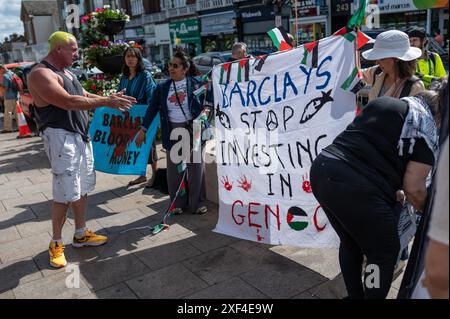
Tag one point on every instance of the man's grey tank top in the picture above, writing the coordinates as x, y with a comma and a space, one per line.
76, 121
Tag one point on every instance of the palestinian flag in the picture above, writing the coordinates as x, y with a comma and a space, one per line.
311, 54
238, 71
302, 218
363, 39
183, 188
259, 62
201, 90
346, 33
172, 207
280, 38
358, 17
225, 71
354, 82
243, 67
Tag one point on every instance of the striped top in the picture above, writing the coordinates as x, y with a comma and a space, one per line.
141, 87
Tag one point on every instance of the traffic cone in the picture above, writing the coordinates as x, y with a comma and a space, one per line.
24, 130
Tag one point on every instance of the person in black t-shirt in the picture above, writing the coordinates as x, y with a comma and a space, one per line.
356, 179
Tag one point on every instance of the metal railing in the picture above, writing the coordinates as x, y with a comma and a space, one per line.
213, 4
183, 11
134, 22
155, 17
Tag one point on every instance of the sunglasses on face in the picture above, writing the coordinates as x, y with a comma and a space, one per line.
174, 65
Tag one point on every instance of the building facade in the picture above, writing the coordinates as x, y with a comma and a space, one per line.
40, 19
197, 26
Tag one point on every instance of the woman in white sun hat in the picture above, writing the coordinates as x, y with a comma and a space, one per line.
396, 65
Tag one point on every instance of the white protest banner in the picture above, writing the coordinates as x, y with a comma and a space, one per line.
274, 115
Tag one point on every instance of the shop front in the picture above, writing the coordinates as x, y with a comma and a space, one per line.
341, 10
186, 35
309, 21
218, 31
157, 39
401, 14
256, 21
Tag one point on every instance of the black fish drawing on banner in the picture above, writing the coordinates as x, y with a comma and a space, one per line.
315, 105
223, 118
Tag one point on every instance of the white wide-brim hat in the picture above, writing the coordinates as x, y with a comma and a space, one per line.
392, 44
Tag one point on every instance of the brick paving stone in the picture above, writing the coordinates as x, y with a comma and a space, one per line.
234, 288
120, 291
18, 272
52, 287
174, 281
26, 247
110, 271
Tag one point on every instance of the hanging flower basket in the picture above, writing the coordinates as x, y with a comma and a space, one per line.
113, 26
110, 64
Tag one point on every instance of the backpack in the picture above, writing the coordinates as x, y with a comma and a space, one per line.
17, 82
406, 88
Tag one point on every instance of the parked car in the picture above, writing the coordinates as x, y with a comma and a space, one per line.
155, 70
206, 61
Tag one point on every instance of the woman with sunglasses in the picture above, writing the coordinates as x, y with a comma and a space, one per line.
139, 84
178, 107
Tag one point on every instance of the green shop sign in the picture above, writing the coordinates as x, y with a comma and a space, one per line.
187, 35
185, 29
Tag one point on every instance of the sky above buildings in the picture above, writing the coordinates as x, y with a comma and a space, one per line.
10, 18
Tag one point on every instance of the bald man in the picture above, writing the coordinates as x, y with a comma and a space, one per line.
61, 106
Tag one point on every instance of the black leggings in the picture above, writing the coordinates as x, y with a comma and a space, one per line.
365, 222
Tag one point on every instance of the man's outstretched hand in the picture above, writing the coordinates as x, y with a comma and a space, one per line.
121, 101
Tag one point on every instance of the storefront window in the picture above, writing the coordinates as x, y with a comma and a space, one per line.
309, 32
400, 21
258, 42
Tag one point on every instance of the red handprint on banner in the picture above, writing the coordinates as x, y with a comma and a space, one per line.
226, 183
258, 236
306, 185
244, 184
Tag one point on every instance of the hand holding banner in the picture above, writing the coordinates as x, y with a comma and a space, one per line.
113, 133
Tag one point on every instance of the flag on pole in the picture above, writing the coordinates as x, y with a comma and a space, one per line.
308, 58
354, 82
183, 188
280, 38
363, 39
358, 17
201, 90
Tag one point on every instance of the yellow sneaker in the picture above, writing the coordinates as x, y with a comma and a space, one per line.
56, 252
89, 239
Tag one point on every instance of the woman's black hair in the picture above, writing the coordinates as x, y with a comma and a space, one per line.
187, 63
140, 64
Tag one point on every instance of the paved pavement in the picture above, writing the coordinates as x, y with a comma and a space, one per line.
187, 261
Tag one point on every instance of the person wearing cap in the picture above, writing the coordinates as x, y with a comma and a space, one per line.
394, 74
429, 65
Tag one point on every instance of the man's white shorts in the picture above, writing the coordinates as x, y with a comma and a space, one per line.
72, 164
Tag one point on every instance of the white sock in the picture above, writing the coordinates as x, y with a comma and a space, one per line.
79, 233
57, 241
